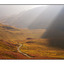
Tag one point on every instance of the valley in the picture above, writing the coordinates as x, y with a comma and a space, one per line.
33, 45
31, 31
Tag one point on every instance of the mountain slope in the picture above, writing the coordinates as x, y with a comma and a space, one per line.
28, 42
46, 18
10, 37
8, 32
55, 32
23, 19
11, 33
8, 50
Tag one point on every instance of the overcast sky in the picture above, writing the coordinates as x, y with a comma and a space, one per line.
7, 10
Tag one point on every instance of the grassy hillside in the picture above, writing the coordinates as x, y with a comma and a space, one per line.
10, 37
33, 45
7, 32
12, 33
9, 51
38, 48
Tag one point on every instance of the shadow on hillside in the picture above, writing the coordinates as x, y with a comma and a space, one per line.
57, 43
55, 33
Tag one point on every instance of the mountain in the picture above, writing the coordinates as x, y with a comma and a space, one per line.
45, 18
8, 32
55, 33
11, 33
10, 20
23, 19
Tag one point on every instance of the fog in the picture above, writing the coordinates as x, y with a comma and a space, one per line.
23, 17
8, 10
46, 17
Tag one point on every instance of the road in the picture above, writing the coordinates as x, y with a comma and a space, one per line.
20, 45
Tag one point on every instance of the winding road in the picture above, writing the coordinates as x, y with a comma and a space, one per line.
20, 45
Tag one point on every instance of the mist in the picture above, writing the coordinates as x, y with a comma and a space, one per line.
23, 15
32, 31
8, 10
46, 17
55, 32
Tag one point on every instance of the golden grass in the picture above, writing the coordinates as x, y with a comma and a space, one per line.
40, 49
32, 44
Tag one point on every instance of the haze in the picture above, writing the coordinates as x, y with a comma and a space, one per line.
32, 32
8, 10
